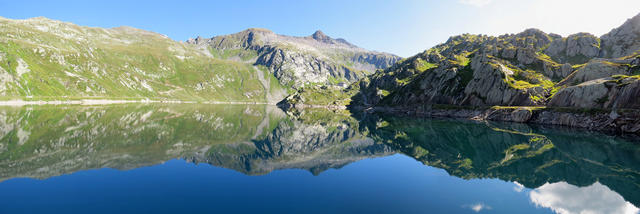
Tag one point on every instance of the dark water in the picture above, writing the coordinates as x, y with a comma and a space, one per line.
257, 159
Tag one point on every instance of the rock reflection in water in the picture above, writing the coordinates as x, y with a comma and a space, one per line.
554, 164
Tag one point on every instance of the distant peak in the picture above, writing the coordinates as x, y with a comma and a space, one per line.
320, 36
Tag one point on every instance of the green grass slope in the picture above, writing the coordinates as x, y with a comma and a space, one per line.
42, 59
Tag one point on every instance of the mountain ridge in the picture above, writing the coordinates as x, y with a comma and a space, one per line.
295, 60
45, 59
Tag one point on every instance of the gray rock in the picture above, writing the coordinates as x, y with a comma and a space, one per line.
596, 69
585, 95
606, 93
575, 49
622, 41
521, 115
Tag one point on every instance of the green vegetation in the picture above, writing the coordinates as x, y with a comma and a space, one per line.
530, 108
323, 96
422, 65
462, 59
241, 54
43, 59
120, 63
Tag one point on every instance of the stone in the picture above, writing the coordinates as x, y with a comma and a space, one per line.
521, 115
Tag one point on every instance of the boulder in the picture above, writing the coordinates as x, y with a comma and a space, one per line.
521, 115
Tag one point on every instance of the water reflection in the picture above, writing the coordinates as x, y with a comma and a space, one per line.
565, 198
530, 156
45, 141
567, 171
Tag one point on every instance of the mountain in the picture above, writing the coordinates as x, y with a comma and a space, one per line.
296, 61
43, 59
532, 68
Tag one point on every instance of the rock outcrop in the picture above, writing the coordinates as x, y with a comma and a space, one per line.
472, 70
617, 92
598, 68
531, 68
575, 49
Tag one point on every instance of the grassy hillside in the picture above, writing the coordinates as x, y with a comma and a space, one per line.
42, 59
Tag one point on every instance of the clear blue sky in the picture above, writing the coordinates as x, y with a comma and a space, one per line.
402, 27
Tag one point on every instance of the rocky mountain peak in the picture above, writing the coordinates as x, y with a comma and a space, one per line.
321, 37
296, 61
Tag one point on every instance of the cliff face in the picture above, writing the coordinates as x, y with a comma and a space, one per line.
297, 61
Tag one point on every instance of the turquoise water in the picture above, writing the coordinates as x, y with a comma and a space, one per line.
257, 159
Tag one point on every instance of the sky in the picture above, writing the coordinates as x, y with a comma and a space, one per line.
401, 27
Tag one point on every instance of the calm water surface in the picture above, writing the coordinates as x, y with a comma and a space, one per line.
257, 159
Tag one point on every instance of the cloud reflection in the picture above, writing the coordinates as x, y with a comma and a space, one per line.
564, 198
519, 187
477, 207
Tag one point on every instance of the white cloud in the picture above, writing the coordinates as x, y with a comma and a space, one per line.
564, 198
477, 207
477, 3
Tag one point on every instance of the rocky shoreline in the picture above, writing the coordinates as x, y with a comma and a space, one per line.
621, 121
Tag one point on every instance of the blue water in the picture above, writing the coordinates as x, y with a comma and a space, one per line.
394, 184
256, 159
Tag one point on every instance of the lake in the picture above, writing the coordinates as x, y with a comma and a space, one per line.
190, 158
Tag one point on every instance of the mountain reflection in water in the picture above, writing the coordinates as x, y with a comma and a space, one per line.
567, 171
